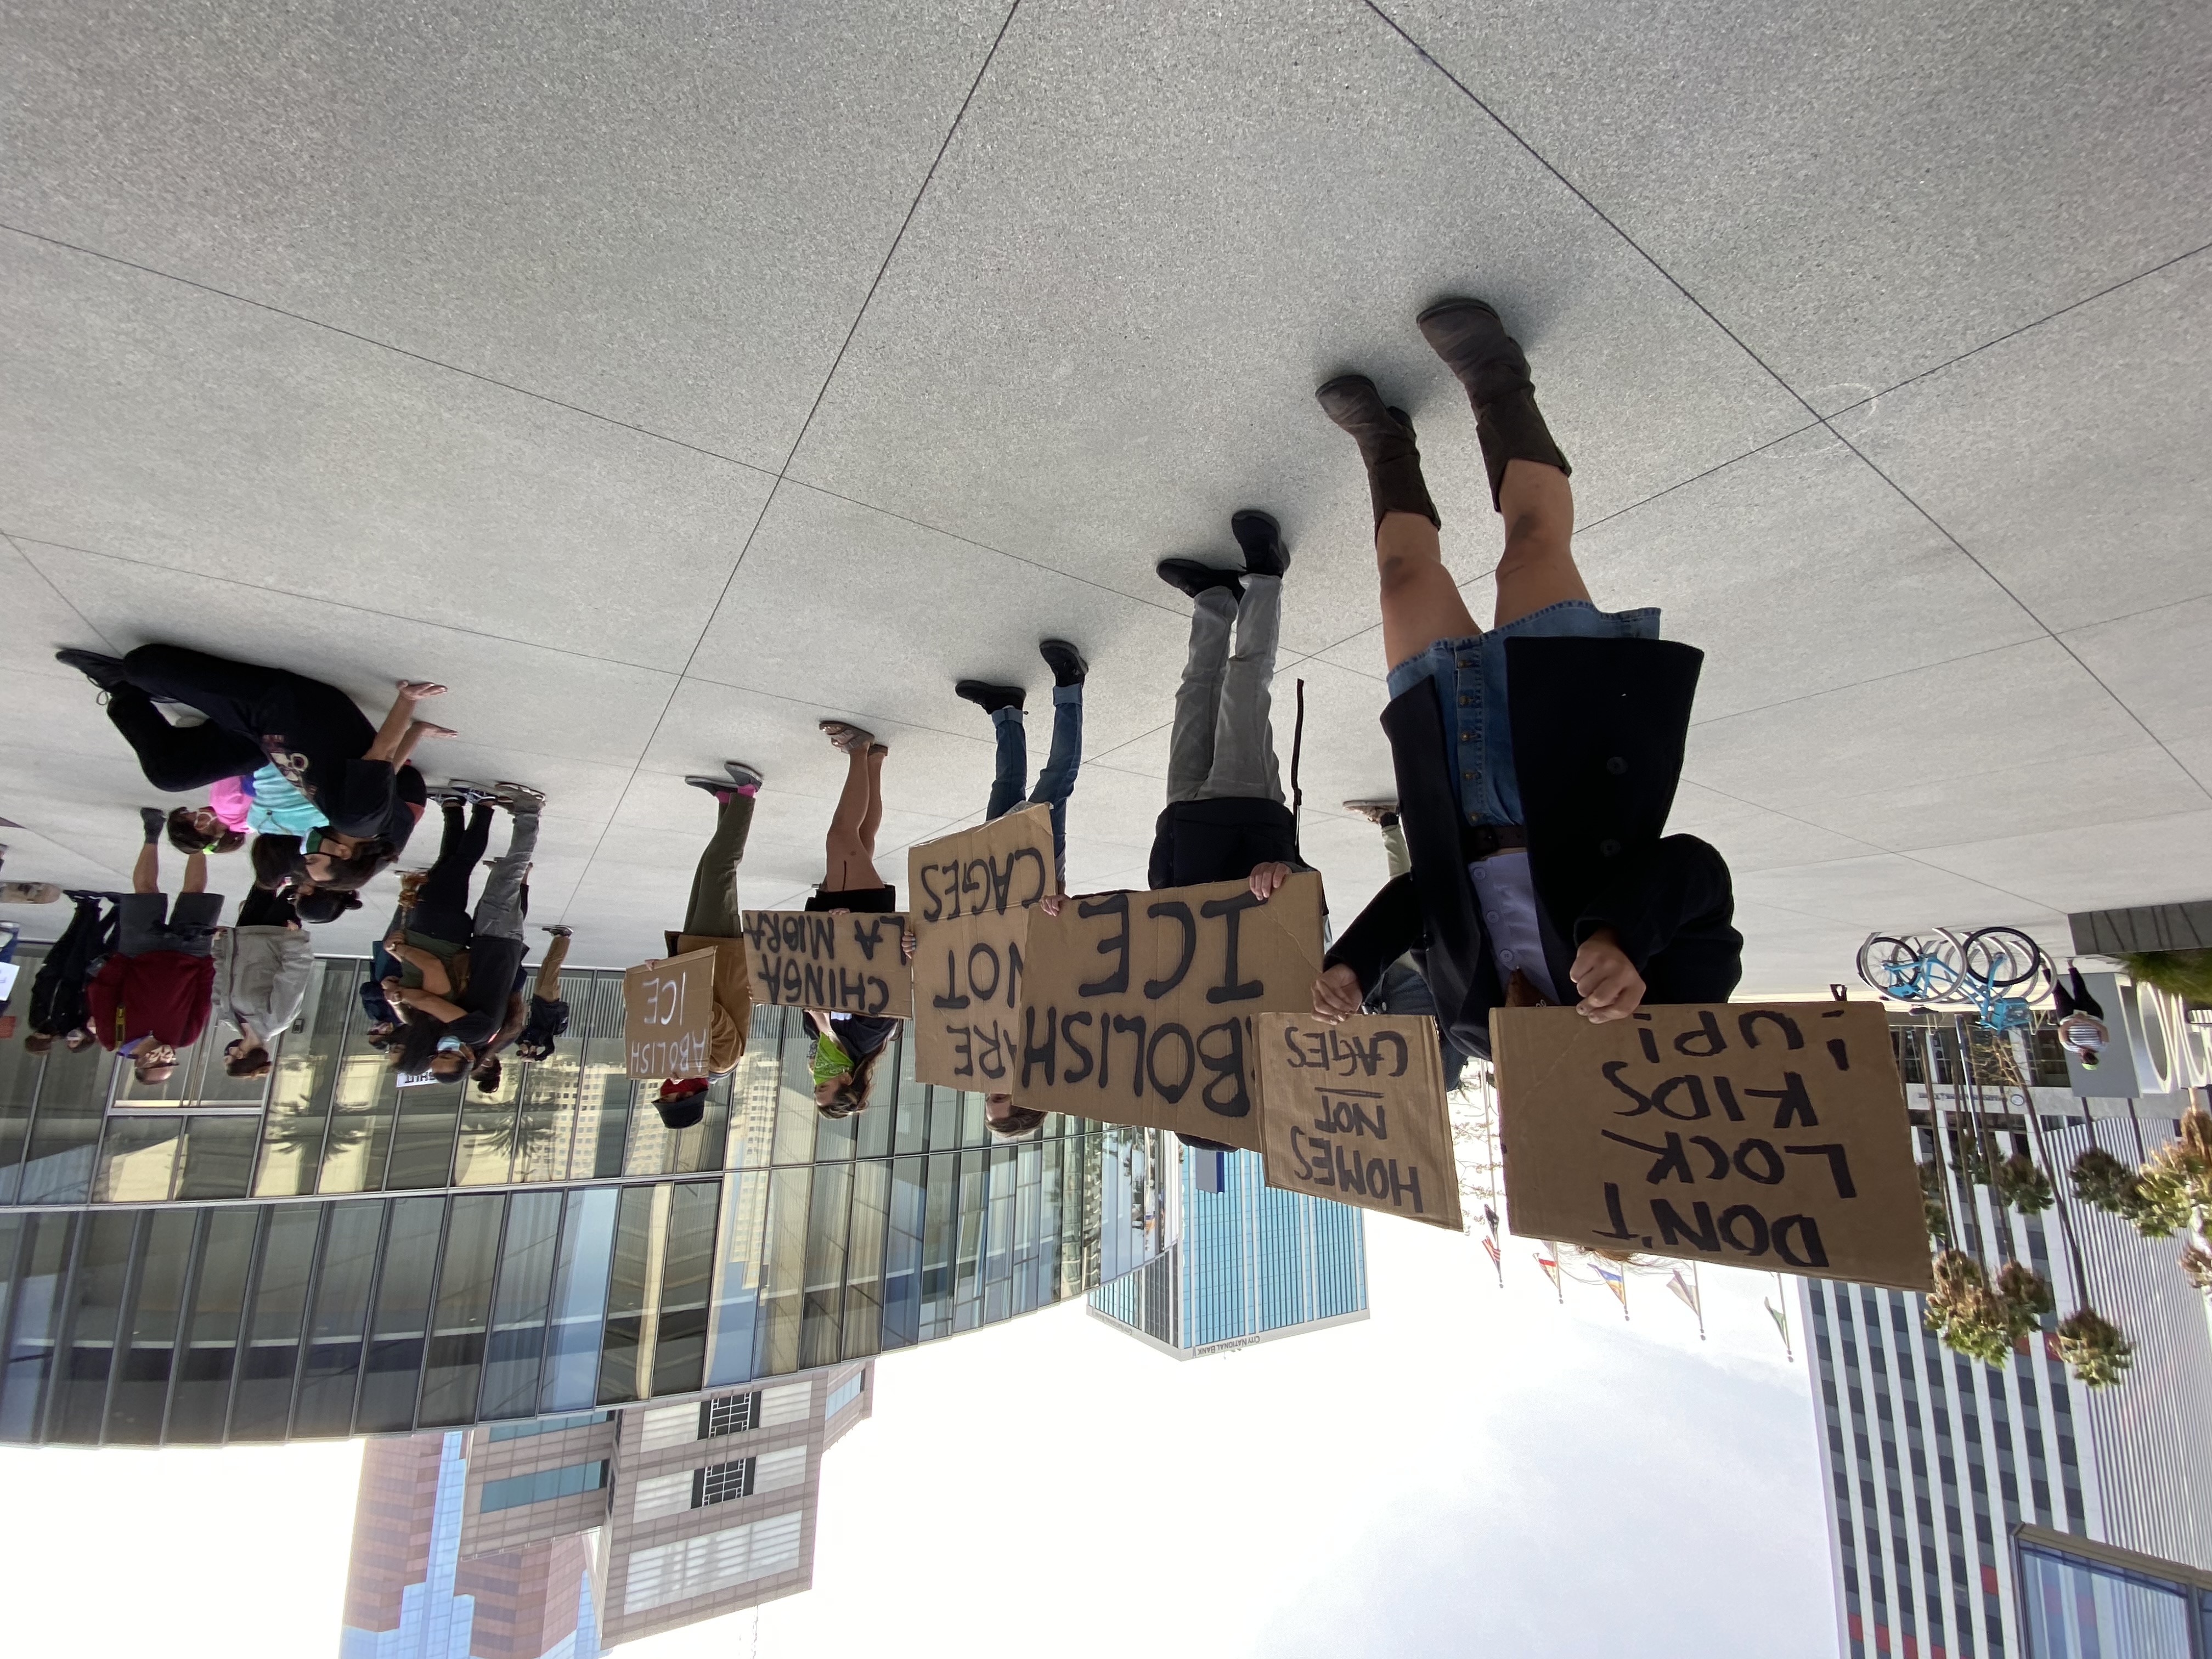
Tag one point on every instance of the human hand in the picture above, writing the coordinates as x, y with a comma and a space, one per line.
1606, 980
396, 940
1336, 994
908, 945
1268, 878
1051, 903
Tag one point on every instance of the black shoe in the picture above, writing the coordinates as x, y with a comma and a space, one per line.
720, 788
155, 820
1066, 662
989, 697
1189, 576
744, 775
105, 672
1262, 539
1385, 437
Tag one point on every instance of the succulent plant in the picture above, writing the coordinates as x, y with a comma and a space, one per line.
2023, 1185
2102, 1180
2093, 1345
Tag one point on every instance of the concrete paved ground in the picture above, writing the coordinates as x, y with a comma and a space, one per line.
666, 380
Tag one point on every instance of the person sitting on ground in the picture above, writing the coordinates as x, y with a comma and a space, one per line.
1225, 818
446, 1034
263, 964
549, 1012
1056, 782
151, 997
318, 740
713, 920
1536, 763
2081, 1028
59, 1008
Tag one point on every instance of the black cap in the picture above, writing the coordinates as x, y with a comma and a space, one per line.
683, 1111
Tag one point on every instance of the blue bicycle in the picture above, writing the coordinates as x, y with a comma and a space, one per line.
1999, 972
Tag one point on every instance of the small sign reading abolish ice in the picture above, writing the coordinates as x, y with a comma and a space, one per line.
668, 1014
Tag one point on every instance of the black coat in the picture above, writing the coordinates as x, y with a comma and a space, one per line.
1224, 838
1598, 731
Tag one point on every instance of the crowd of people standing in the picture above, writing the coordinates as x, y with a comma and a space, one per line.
1536, 762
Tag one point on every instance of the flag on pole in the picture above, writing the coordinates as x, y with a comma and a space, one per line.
1551, 1268
1615, 1280
1490, 1248
1682, 1288
1491, 1216
1781, 1322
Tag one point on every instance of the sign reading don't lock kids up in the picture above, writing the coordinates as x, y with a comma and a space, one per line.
1137, 1007
1765, 1135
972, 895
847, 963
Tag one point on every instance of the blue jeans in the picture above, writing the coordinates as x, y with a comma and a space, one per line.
1057, 781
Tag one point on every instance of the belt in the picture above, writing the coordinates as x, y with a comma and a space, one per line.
1484, 840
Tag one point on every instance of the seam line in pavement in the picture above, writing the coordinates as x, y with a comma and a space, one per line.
385, 345
768, 502
32, 564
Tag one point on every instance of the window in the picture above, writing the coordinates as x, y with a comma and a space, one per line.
787, 1404
516, 1490
722, 1483
844, 1394
694, 1566
732, 1413
546, 1425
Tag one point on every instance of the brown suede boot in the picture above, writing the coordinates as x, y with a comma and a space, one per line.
1385, 437
1489, 363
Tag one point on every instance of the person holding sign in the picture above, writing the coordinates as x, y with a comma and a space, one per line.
1225, 819
1536, 762
849, 881
1003, 703
713, 920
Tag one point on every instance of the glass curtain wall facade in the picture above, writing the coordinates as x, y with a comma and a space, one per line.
380, 1265
1935, 1463
1244, 1262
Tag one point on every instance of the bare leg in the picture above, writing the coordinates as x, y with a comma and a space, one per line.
195, 874
416, 731
849, 858
146, 874
1539, 566
549, 970
874, 820
1421, 604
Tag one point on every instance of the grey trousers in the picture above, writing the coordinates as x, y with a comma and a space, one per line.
714, 912
1223, 742
498, 909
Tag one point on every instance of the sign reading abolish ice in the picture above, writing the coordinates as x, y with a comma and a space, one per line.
847, 964
1137, 1007
668, 1015
1772, 1135
1356, 1112
972, 893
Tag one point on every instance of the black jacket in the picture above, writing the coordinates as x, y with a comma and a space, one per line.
1598, 731
1225, 839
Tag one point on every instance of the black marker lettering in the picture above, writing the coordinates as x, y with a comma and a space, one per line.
1157, 988
1839, 1166
1232, 909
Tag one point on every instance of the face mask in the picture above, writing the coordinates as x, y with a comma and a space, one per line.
830, 1060
445, 1044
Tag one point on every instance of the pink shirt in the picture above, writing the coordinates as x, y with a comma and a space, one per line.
230, 801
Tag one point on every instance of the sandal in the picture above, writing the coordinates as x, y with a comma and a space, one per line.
418, 690
844, 737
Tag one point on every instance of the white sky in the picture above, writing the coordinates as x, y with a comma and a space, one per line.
1469, 1471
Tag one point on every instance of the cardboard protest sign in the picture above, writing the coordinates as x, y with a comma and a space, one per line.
847, 964
1771, 1135
668, 1013
1137, 1007
972, 893
1356, 1112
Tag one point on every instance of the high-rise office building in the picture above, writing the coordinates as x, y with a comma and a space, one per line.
318, 1253
1977, 1513
558, 1538
1244, 1262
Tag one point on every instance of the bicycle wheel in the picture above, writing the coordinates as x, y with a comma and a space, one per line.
1893, 966
2003, 959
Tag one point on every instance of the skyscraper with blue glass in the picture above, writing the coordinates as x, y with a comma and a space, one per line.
1244, 1262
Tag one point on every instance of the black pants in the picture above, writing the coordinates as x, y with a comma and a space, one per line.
240, 699
57, 1000
2076, 1000
177, 759
261, 908
441, 908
